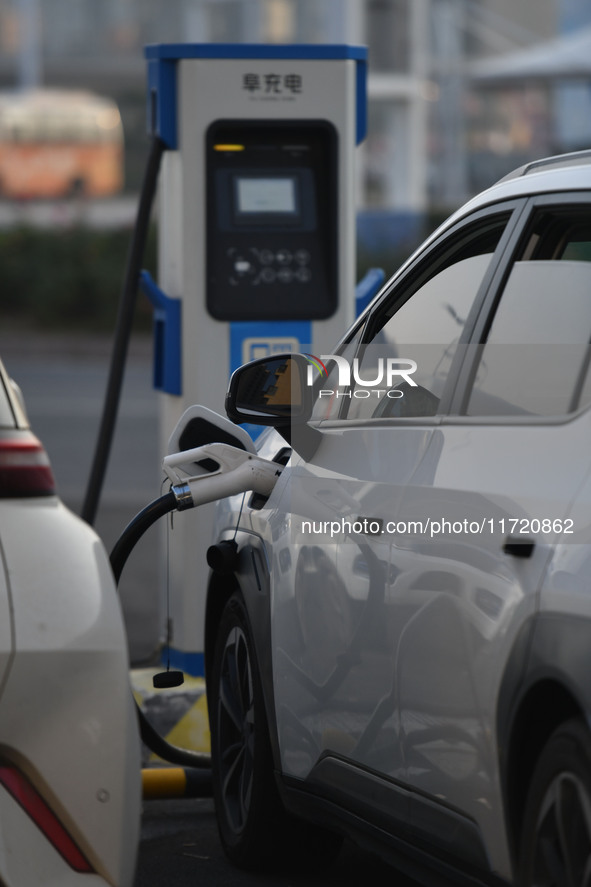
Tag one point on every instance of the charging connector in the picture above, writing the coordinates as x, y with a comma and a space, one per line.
237, 471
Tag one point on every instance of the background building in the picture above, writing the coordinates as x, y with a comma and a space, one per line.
435, 135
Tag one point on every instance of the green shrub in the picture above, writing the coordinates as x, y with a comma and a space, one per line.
67, 279
71, 279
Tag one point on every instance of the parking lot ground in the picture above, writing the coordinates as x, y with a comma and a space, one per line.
180, 846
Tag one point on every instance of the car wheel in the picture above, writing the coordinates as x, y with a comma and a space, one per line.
556, 843
254, 827
249, 812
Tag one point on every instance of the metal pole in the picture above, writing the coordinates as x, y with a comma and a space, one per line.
448, 35
29, 56
418, 109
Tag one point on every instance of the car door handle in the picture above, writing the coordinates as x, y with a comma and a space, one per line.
519, 546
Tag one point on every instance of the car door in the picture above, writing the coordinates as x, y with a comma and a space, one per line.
489, 499
336, 616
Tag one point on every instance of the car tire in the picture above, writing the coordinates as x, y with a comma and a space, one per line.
255, 830
556, 838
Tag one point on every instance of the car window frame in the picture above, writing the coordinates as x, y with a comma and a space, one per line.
457, 414
403, 281
13, 409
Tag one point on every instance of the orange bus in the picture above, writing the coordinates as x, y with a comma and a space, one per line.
56, 143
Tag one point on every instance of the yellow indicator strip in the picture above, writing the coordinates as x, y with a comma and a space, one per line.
175, 782
179, 714
228, 147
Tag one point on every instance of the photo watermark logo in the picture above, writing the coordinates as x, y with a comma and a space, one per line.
383, 376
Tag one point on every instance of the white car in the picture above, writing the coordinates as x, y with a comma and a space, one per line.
401, 651
70, 779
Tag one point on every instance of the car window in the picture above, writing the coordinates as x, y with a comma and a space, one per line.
536, 357
408, 345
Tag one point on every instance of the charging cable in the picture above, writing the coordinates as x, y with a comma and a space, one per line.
122, 333
235, 471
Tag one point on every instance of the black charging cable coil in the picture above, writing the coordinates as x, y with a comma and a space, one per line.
129, 538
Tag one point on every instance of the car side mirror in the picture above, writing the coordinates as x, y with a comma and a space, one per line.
270, 391
275, 391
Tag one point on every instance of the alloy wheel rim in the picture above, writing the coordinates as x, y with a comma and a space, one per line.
236, 730
562, 851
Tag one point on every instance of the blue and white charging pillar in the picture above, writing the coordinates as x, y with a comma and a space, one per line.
256, 236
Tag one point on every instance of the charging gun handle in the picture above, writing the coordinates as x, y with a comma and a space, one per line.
237, 472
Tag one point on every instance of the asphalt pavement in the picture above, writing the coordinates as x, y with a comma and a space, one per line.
180, 846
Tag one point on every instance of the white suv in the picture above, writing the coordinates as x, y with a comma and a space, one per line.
70, 783
399, 646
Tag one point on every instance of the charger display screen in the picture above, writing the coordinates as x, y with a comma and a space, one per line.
265, 195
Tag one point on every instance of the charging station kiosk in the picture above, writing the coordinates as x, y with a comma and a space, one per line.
256, 243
